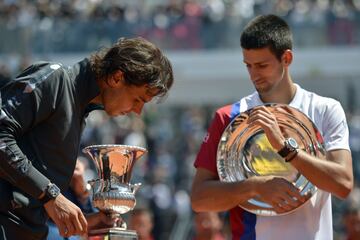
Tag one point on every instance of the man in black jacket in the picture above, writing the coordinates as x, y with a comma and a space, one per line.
42, 116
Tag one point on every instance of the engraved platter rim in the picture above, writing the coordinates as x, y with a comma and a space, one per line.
243, 152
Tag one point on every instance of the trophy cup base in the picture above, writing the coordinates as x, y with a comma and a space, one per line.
112, 234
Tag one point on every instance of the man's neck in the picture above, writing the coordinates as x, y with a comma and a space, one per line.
284, 94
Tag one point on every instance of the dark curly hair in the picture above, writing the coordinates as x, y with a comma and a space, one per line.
140, 61
267, 31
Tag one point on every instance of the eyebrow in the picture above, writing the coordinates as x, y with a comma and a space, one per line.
262, 62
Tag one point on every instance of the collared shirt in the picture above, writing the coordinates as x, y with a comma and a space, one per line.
42, 116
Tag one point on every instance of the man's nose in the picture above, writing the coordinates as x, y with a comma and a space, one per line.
253, 74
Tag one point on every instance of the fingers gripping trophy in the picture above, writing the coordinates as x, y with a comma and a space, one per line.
112, 191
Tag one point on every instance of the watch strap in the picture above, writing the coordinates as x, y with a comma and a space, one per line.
51, 192
290, 146
292, 156
284, 152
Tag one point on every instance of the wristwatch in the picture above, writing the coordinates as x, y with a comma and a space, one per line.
51, 192
290, 150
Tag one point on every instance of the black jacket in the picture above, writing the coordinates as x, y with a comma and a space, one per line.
42, 116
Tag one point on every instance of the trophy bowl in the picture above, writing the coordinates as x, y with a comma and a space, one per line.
244, 151
112, 191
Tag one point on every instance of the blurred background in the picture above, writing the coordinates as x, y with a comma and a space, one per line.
201, 38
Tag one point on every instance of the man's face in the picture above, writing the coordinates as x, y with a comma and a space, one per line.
207, 222
121, 99
352, 223
142, 224
265, 70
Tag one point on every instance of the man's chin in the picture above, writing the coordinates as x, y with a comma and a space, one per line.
122, 114
116, 113
262, 90
113, 114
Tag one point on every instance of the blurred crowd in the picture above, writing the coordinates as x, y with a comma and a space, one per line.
45, 26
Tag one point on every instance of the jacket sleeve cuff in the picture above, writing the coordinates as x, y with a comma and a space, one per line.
34, 182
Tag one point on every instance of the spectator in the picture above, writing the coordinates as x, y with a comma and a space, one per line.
141, 220
352, 215
208, 226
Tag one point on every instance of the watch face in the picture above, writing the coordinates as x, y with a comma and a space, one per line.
292, 143
53, 190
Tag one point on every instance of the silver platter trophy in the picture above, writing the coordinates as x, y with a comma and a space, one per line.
244, 151
112, 191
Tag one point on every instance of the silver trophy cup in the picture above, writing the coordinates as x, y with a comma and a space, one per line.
112, 191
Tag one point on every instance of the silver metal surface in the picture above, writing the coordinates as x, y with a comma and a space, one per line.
244, 151
112, 191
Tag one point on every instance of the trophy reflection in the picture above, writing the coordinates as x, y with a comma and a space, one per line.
112, 191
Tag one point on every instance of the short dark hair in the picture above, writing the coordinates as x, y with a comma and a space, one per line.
142, 210
140, 61
267, 31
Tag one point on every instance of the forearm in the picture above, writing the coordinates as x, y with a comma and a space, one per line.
327, 175
21, 112
18, 170
213, 195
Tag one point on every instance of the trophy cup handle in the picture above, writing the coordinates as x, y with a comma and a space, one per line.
135, 187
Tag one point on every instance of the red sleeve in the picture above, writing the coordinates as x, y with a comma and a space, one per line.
206, 157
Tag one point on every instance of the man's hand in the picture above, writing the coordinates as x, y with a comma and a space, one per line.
102, 220
278, 192
262, 117
67, 216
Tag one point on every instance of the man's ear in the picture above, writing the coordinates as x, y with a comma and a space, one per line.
116, 79
287, 57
